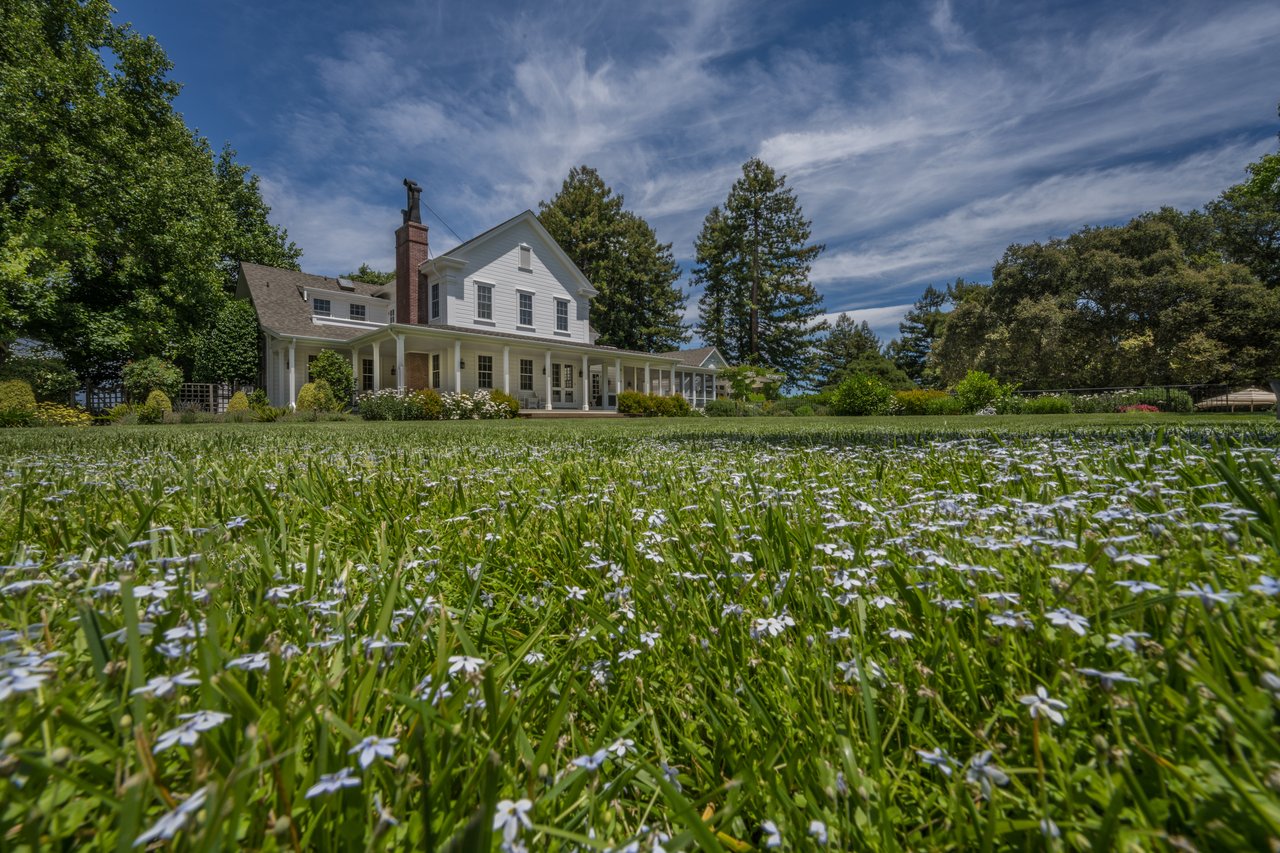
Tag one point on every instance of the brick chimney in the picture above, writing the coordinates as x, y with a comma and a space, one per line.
411, 252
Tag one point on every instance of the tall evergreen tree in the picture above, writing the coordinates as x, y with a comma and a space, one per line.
639, 305
919, 329
846, 342
369, 275
753, 261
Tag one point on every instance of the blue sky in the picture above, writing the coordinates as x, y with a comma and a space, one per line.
921, 138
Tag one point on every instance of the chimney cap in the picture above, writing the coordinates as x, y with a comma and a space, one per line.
413, 213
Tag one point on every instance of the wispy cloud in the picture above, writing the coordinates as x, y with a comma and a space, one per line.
921, 144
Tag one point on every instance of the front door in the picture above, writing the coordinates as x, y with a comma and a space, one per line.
561, 383
595, 388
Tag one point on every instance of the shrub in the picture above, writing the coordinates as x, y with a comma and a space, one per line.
944, 405
264, 413
713, 409
501, 398
118, 413
478, 405
635, 403
916, 402
150, 413
48, 375
239, 402
1139, 408
1048, 404
161, 400
804, 411
16, 396
977, 391
258, 397
334, 369
392, 404
151, 374
56, 414
1164, 400
861, 395
16, 418
314, 397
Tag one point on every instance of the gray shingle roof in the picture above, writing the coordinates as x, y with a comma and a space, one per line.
691, 357
277, 296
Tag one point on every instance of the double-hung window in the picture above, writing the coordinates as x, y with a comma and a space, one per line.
526, 309
357, 312
526, 374
484, 371
435, 300
562, 315
484, 301
321, 307
366, 374
435, 370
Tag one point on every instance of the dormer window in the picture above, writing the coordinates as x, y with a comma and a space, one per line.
321, 307
357, 312
526, 258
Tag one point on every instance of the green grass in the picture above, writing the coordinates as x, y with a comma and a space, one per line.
316, 583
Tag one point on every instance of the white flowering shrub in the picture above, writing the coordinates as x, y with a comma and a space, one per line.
479, 405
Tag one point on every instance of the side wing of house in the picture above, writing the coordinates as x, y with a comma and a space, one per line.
513, 279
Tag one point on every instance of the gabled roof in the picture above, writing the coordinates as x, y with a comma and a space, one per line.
695, 357
457, 252
277, 296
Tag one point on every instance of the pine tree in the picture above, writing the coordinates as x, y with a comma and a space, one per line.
753, 260
846, 343
639, 306
920, 328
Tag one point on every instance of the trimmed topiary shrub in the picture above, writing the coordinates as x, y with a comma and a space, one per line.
916, 402
150, 413
314, 397
861, 395
720, 409
239, 402
151, 374
334, 369
635, 403
16, 396
56, 414
160, 400
1048, 404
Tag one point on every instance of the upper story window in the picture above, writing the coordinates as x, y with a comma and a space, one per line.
357, 312
562, 315
435, 300
526, 309
526, 258
321, 307
484, 301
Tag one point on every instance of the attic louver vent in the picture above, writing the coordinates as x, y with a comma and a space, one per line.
346, 284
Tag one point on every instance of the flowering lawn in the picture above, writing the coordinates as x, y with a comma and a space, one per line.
642, 636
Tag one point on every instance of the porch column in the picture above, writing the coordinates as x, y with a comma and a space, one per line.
617, 388
400, 362
546, 373
377, 365
647, 385
355, 369
586, 384
506, 370
713, 386
293, 366
457, 364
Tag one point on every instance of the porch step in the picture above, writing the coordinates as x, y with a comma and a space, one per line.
542, 414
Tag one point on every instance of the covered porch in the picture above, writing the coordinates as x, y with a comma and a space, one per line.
543, 375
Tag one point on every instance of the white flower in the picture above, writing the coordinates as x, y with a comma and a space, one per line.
333, 782
592, 762
773, 838
622, 746
649, 638
510, 817
1267, 585
168, 825
1139, 587
1207, 594
818, 830
899, 634
464, 664
1063, 617
575, 593
1041, 703
983, 772
629, 654
1127, 641
1108, 679
188, 734
372, 747
937, 758
163, 685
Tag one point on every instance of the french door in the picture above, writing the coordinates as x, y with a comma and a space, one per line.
561, 383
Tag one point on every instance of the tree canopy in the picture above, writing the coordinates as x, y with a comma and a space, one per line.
639, 305
753, 258
853, 348
119, 227
369, 275
919, 330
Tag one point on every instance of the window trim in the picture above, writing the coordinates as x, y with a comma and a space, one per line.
363, 310
435, 300
435, 370
481, 359
562, 304
521, 295
366, 374
315, 307
524, 376
524, 251
487, 288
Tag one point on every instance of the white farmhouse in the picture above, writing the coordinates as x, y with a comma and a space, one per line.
505, 310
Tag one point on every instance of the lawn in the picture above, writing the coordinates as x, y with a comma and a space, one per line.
964, 633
